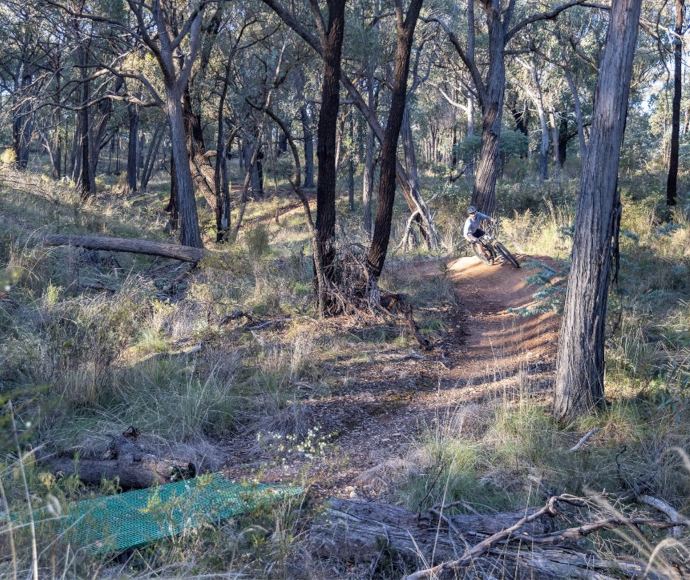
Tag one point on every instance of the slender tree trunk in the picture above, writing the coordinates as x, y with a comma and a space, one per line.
220, 172
133, 143
308, 135
326, 141
369, 159
185, 201
554, 131
580, 362
351, 162
563, 137
387, 180
151, 158
85, 181
578, 112
22, 119
538, 99
200, 166
672, 180
408, 148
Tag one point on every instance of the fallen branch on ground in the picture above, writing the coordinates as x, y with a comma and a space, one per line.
520, 544
130, 245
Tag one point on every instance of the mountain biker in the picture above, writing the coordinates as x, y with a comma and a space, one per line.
472, 232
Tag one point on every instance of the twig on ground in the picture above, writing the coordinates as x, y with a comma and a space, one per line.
582, 442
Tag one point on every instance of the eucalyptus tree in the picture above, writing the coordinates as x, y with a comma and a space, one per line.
678, 31
580, 360
174, 32
22, 71
503, 22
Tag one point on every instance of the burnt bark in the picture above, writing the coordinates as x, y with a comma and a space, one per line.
672, 179
133, 143
580, 361
85, 180
378, 249
326, 138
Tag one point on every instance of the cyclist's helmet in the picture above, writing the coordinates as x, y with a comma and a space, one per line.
471, 210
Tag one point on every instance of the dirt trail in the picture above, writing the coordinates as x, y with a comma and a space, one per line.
380, 414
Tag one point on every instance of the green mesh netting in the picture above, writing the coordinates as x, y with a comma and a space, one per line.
134, 518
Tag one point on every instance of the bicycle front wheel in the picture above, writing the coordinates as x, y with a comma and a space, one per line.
483, 253
501, 249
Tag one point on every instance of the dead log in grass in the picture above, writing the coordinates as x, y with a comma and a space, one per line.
128, 462
129, 245
505, 545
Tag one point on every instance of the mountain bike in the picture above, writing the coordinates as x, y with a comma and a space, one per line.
488, 249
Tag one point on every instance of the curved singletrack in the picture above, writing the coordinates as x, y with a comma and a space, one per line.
502, 351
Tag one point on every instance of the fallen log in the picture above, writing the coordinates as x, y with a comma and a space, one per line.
501, 545
130, 245
126, 461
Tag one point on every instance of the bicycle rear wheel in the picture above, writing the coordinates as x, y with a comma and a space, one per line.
501, 249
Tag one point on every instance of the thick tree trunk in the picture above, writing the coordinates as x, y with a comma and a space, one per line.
185, 200
326, 140
133, 143
488, 167
580, 362
387, 180
672, 180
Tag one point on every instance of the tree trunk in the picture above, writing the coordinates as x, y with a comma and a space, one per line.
369, 159
185, 201
200, 166
133, 113
543, 126
151, 157
305, 117
387, 180
488, 167
351, 162
408, 149
220, 174
672, 180
326, 140
85, 181
22, 120
562, 136
578, 112
580, 362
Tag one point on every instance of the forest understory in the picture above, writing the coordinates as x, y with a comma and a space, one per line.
226, 363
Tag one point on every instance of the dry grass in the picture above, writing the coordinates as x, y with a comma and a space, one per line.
89, 346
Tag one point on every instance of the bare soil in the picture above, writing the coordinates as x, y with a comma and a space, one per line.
488, 352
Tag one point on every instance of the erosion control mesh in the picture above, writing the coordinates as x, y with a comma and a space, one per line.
135, 518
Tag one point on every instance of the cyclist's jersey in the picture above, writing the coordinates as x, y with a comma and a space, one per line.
472, 223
